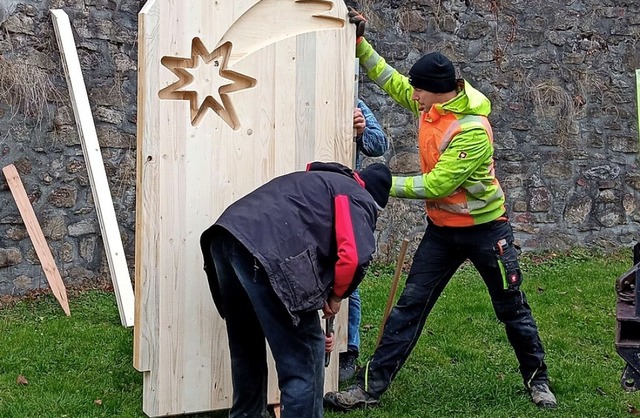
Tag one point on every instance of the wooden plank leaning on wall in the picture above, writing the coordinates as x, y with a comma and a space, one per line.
37, 237
95, 167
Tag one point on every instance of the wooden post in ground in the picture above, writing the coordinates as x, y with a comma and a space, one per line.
37, 237
394, 287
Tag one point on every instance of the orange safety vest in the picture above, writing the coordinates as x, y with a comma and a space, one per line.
435, 134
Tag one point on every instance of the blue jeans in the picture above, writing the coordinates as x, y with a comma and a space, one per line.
353, 329
254, 312
440, 253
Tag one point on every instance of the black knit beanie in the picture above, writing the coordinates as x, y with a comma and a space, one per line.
434, 73
377, 181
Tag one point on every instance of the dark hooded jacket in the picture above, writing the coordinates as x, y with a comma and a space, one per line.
312, 232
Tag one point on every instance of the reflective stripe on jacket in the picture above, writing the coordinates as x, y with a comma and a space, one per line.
455, 142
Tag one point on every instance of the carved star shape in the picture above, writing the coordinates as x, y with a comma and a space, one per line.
205, 74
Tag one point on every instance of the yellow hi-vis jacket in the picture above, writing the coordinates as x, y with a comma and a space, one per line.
455, 142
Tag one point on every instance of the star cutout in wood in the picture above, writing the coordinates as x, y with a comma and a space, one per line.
206, 74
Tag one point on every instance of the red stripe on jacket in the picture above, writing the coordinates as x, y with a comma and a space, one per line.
346, 242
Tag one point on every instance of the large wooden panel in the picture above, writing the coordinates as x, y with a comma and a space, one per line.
231, 94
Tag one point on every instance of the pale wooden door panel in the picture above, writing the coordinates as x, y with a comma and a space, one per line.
227, 101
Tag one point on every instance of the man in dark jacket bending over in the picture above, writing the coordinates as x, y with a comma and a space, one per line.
298, 244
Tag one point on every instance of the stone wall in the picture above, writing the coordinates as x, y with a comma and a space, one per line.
39, 135
560, 75
561, 79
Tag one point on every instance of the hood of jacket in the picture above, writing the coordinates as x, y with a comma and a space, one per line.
469, 101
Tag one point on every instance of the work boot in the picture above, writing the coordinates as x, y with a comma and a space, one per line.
542, 396
353, 397
347, 365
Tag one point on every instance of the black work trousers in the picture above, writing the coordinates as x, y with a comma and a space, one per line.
254, 312
440, 253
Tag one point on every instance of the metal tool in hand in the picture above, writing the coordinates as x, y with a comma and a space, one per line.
328, 330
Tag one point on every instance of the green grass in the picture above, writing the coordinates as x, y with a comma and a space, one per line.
71, 364
462, 366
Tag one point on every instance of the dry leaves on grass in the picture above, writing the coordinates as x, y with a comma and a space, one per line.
21, 380
101, 283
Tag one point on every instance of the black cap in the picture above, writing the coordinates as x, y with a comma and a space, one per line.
377, 181
434, 73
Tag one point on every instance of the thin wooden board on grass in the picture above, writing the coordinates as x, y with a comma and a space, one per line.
95, 167
37, 237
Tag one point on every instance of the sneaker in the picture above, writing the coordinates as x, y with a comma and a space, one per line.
542, 396
353, 397
347, 366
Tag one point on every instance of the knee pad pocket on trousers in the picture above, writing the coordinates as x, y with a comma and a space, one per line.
412, 293
510, 307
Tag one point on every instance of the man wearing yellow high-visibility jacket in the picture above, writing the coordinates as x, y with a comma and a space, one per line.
466, 220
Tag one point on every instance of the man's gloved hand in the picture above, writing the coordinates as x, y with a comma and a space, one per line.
357, 19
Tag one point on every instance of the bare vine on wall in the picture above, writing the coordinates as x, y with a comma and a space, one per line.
499, 51
27, 89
